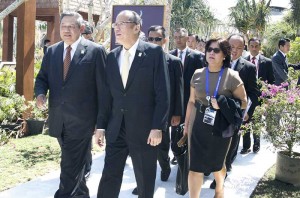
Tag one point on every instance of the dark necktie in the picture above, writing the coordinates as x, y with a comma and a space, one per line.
67, 61
180, 55
253, 61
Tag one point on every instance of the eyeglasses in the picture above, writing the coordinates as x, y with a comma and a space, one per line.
216, 50
121, 24
157, 39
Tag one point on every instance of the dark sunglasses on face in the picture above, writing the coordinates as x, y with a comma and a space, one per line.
157, 39
216, 50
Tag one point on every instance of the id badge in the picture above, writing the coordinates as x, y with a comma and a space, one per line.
209, 116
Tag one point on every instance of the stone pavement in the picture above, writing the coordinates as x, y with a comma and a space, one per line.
241, 181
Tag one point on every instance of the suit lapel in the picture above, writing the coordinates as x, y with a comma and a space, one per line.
186, 59
59, 61
116, 67
79, 54
138, 58
239, 64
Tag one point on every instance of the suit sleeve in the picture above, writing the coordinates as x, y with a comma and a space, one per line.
101, 88
270, 72
161, 90
252, 89
178, 110
279, 69
41, 81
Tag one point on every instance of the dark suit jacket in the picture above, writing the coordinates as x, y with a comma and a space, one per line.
193, 60
280, 68
144, 103
265, 69
247, 72
73, 103
176, 86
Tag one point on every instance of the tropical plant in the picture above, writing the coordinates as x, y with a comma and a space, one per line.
35, 113
279, 114
295, 8
294, 53
250, 17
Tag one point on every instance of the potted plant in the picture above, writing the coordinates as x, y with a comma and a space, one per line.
279, 115
35, 118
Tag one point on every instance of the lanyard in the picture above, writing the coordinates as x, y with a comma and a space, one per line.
207, 84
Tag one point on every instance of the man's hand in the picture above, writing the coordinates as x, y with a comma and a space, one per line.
41, 101
175, 120
155, 137
99, 137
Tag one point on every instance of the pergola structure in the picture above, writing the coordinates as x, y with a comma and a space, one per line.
26, 14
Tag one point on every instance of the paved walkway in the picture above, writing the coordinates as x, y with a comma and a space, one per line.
247, 171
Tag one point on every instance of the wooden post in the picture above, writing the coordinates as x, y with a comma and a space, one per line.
25, 48
8, 29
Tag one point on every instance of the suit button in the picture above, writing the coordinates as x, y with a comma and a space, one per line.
122, 110
63, 88
124, 94
63, 102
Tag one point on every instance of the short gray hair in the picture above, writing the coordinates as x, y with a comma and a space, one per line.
78, 17
134, 17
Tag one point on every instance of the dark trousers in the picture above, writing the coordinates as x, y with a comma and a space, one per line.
163, 151
144, 159
247, 140
233, 149
73, 161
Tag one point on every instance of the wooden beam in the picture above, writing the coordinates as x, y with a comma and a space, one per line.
26, 48
7, 47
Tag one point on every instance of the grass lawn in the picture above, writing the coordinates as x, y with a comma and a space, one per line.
26, 158
268, 187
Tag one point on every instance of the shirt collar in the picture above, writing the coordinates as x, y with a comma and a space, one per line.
133, 48
256, 57
183, 51
282, 53
74, 45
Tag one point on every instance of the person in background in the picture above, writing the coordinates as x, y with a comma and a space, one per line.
46, 45
73, 72
265, 73
191, 60
192, 41
88, 31
208, 147
200, 45
157, 35
136, 108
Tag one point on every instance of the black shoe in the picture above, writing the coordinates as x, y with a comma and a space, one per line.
135, 191
256, 148
228, 168
164, 175
206, 174
174, 161
245, 151
213, 184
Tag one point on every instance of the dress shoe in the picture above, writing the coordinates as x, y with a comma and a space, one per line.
245, 151
213, 184
228, 168
135, 191
256, 148
164, 175
174, 161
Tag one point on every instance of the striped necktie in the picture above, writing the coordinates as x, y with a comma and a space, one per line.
67, 61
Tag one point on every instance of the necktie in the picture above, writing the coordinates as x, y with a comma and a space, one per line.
253, 61
125, 68
67, 61
180, 55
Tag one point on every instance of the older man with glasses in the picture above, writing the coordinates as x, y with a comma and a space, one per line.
136, 110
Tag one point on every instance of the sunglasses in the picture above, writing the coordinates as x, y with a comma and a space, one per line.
157, 39
216, 50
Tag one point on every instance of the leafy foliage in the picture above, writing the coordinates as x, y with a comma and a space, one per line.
279, 113
294, 54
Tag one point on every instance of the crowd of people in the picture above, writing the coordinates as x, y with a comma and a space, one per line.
135, 100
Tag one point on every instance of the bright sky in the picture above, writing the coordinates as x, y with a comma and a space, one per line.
220, 7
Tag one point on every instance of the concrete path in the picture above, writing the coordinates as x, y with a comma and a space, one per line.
246, 172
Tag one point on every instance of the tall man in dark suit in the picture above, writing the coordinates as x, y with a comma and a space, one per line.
265, 73
136, 110
279, 61
247, 72
191, 60
73, 73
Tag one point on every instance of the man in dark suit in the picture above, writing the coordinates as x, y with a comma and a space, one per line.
265, 73
73, 72
136, 108
191, 60
157, 35
279, 61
